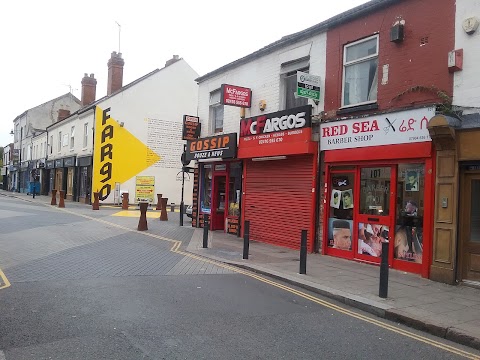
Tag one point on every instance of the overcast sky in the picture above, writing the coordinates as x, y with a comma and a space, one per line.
47, 46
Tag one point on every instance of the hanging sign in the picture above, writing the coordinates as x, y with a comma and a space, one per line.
236, 96
308, 86
191, 127
385, 129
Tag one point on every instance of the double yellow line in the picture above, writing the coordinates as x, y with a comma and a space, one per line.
382, 324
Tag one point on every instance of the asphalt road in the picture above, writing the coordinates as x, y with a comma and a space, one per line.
89, 286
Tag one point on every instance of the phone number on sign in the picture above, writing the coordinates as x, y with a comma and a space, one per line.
270, 141
421, 137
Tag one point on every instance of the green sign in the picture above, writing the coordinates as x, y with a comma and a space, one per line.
308, 86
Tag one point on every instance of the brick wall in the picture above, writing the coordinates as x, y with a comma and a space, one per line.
410, 64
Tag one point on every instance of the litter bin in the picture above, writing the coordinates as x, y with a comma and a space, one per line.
33, 185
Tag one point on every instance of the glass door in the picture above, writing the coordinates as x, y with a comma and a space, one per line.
375, 213
219, 198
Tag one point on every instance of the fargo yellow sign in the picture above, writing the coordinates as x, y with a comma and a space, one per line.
118, 155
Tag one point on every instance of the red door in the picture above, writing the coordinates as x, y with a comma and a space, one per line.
375, 211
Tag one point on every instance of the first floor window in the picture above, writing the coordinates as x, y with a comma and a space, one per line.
72, 137
360, 72
216, 111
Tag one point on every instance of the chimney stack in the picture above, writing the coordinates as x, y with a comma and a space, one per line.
174, 59
115, 72
89, 89
63, 114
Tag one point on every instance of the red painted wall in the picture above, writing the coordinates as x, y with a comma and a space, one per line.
409, 63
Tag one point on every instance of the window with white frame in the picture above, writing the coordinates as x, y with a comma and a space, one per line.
59, 141
51, 144
216, 112
360, 72
288, 78
85, 135
41, 150
72, 137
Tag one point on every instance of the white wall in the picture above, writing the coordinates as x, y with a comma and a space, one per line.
466, 91
166, 95
262, 75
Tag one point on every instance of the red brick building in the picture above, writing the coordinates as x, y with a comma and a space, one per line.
386, 76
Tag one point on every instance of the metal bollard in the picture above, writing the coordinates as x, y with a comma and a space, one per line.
172, 207
246, 239
383, 288
182, 211
303, 253
205, 231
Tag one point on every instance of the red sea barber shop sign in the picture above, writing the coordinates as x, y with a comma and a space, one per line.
236, 96
280, 133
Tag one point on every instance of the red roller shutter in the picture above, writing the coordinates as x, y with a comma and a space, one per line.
278, 200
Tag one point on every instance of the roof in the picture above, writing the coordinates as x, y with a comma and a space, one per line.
335, 21
46, 102
96, 102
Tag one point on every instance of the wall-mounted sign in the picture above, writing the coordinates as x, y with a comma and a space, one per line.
221, 146
271, 134
58, 163
69, 162
308, 86
191, 127
385, 129
144, 188
236, 96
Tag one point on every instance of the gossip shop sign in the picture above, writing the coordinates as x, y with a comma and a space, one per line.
384, 129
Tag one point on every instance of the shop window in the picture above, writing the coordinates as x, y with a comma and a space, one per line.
340, 223
83, 182
289, 83
234, 189
375, 191
360, 72
216, 112
206, 196
408, 244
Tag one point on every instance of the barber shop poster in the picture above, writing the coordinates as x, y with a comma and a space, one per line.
340, 234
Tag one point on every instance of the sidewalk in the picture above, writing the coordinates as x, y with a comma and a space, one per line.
451, 312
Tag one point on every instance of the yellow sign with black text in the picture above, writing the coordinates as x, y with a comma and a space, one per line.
144, 188
118, 155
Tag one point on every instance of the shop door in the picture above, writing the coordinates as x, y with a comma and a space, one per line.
218, 208
375, 214
470, 227
59, 179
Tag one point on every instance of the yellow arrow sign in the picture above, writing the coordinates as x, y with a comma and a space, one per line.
118, 155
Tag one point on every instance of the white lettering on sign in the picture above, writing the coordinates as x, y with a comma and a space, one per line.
384, 129
278, 124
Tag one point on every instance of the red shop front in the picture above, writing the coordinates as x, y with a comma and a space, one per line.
279, 177
379, 187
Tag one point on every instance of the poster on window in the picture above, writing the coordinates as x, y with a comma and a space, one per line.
408, 244
371, 237
347, 199
335, 199
412, 180
340, 234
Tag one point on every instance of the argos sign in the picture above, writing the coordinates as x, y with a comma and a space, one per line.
280, 133
291, 119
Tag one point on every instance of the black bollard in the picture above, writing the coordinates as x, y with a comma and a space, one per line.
205, 231
383, 289
246, 239
182, 211
303, 253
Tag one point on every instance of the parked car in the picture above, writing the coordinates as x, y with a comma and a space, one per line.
189, 210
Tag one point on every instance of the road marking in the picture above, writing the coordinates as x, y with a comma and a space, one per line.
176, 246
3, 284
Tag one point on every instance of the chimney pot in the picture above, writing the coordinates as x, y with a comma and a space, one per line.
89, 89
115, 72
